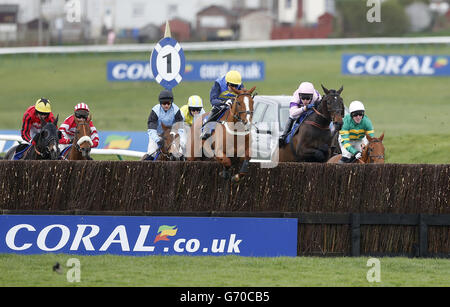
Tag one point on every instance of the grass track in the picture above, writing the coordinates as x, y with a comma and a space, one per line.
225, 271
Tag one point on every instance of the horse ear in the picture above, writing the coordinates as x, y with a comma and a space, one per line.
325, 90
252, 89
164, 127
382, 136
340, 90
55, 122
369, 138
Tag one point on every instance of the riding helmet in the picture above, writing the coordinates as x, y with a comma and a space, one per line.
165, 95
233, 77
43, 105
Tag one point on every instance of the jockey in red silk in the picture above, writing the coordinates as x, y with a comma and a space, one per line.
33, 117
68, 127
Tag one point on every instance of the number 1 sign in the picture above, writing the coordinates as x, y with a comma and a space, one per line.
167, 63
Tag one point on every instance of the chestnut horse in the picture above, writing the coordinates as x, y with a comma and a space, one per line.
312, 141
82, 143
171, 149
230, 142
373, 152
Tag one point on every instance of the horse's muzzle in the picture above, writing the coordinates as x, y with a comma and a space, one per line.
337, 125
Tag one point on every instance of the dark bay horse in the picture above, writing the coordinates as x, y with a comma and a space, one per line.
82, 143
312, 141
373, 152
230, 141
46, 144
171, 150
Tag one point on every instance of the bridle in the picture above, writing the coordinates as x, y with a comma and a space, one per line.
86, 138
325, 115
44, 150
371, 157
237, 116
166, 152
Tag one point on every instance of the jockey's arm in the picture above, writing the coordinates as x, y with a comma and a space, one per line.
152, 125
214, 95
26, 126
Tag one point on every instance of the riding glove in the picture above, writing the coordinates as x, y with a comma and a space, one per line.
358, 155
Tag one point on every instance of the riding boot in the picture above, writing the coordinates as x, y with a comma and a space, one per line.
287, 129
212, 117
345, 160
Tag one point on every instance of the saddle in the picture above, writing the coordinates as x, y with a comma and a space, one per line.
21, 150
297, 124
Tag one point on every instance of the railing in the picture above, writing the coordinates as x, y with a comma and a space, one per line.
118, 152
226, 45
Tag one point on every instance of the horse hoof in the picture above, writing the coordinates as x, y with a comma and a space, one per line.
236, 178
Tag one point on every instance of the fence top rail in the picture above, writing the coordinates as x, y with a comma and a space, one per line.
226, 45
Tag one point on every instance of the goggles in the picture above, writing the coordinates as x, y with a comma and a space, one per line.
165, 103
195, 109
357, 113
42, 114
232, 85
81, 114
306, 96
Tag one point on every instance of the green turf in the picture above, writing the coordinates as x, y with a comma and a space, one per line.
413, 112
223, 271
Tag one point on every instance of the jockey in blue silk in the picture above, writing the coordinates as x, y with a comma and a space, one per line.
221, 96
167, 113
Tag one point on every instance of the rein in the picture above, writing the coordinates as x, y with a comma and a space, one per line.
237, 118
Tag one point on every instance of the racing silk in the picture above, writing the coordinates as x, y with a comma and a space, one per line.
351, 131
158, 116
296, 106
188, 118
220, 93
31, 124
68, 128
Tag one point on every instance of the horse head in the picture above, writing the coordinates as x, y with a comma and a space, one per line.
172, 146
242, 109
82, 140
374, 150
334, 105
48, 140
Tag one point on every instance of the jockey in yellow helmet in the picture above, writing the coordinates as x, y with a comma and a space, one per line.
221, 96
193, 108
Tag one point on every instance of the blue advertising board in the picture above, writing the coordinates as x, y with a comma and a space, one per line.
395, 65
140, 236
194, 70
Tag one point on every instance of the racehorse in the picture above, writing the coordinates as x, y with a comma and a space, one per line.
171, 149
46, 145
373, 152
230, 139
81, 145
312, 140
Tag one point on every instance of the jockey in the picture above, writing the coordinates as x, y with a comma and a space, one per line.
353, 133
33, 117
68, 127
221, 96
193, 108
167, 113
303, 99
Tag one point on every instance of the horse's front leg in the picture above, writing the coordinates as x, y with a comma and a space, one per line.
242, 172
226, 163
